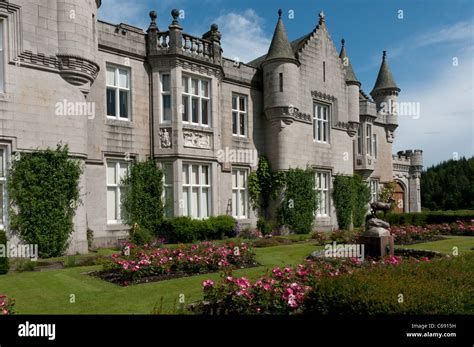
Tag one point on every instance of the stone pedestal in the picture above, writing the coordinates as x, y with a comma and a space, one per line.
376, 246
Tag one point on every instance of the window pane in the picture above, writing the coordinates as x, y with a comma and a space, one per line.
111, 204
123, 171
186, 202
242, 204
205, 111
195, 202
242, 124
234, 203
123, 79
2, 159
195, 174
185, 101
319, 130
169, 201
166, 107
205, 202
168, 172
184, 84
205, 175
242, 104
111, 173
234, 122
123, 104
111, 76
195, 87
111, 102
234, 179
205, 88
186, 174
325, 113
234, 103
165, 83
195, 108
325, 130
241, 179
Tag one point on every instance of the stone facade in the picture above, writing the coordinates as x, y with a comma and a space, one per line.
171, 95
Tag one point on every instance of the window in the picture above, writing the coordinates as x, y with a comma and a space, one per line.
196, 101
118, 93
165, 98
196, 190
324, 71
2, 59
239, 115
374, 190
359, 140
3, 181
168, 189
322, 193
239, 193
281, 82
374, 145
321, 123
368, 138
116, 171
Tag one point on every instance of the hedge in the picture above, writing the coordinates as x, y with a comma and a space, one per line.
186, 229
442, 286
423, 218
4, 263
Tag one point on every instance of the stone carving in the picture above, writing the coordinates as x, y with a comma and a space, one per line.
196, 139
165, 138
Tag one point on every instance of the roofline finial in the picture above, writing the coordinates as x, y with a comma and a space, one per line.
280, 12
384, 55
343, 42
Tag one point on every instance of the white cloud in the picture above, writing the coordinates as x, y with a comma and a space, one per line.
243, 37
125, 11
446, 124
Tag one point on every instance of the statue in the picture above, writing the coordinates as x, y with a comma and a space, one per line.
381, 206
165, 139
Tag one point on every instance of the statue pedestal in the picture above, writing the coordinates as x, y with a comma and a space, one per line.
376, 246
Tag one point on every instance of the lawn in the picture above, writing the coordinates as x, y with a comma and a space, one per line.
446, 246
49, 292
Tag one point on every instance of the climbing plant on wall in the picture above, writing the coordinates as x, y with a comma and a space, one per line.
361, 200
43, 190
343, 196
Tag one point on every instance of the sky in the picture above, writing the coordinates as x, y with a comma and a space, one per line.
429, 44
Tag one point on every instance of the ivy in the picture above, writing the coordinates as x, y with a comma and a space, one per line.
361, 201
299, 203
343, 196
142, 199
263, 186
43, 189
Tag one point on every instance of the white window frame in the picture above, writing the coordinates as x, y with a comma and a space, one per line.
374, 190
189, 186
320, 123
163, 94
322, 192
368, 138
238, 113
168, 191
118, 89
238, 190
117, 187
2, 54
3, 182
360, 142
200, 97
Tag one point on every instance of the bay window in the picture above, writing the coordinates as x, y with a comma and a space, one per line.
196, 190
196, 101
165, 98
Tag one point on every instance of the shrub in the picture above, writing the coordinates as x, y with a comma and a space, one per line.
4, 262
221, 226
139, 235
361, 201
266, 227
321, 237
343, 195
442, 286
44, 192
422, 218
299, 204
6, 305
142, 196
25, 265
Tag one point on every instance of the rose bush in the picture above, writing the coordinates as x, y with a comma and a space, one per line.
203, 257
406, 234
281, 291
6, 305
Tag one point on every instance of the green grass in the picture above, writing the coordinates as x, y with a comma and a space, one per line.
463, 243
49, 292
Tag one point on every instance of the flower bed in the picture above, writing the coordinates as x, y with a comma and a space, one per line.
409, 234
282, 291
6, 305
147, 264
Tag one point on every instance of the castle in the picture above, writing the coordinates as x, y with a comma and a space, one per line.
115, 93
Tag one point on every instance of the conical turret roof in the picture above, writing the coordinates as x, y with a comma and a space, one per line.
280, 47
385, 79
346, 63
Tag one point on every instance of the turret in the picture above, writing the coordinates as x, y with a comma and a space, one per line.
353, 89
280, 75
77, 41
385, 95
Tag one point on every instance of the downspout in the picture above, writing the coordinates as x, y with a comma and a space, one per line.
151, 111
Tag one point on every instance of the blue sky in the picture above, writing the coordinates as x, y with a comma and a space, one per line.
421, 49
